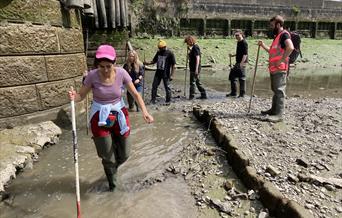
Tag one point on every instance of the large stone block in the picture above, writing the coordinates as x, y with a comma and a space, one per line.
270, 196
24, 39
18, 100
54, 94
75, 19
65, 66
22, 70
23, 10
50, 11
71, 40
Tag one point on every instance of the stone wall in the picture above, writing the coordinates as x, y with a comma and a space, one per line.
41, 56
221, 17
264, 11
288, 3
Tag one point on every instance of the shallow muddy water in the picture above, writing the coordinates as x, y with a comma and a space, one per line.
312, 83
48, 189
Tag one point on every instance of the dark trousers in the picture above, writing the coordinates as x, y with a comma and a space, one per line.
236, 74
195, 81
156, 81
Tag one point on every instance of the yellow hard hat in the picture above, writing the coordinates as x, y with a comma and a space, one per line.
161, 44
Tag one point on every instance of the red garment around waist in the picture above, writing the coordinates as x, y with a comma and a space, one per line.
100, 131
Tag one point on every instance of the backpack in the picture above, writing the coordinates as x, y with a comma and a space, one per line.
295, 37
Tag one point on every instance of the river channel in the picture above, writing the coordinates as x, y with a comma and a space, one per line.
48, 190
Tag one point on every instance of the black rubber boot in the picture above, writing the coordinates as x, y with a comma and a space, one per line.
111, 178
242, 88
233, 89
268, 112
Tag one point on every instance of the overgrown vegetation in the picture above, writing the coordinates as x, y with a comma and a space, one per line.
325, 52
295, 10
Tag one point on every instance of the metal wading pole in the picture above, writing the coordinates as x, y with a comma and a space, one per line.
186, 69
75, 149
255, 70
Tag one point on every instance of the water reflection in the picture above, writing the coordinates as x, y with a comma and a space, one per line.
320, 82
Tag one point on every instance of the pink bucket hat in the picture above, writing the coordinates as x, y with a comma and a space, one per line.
106, 51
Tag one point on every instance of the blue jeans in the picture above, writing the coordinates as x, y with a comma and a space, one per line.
130, 98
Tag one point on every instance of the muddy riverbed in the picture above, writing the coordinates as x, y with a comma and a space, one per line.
176, 169
147, 186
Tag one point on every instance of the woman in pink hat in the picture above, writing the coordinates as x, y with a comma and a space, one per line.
109, 120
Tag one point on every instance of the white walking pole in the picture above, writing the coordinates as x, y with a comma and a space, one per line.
75, 149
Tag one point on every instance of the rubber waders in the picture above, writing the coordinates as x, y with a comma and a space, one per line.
105, 151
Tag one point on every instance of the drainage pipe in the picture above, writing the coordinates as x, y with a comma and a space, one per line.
123, 14
74, 4
102, 13
112, 13
117, 12
90, 10
96, 16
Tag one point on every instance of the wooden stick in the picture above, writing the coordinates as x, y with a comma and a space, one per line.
255, 70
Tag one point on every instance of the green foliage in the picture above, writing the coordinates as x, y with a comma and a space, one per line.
313, 50
295, 10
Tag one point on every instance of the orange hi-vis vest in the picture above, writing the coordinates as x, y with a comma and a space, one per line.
275, 54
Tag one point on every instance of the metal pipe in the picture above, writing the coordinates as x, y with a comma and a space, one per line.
117, 13
87, 4
74, 4
96, 16
127, 14
102, 13
89, 11
123, 13
112, 13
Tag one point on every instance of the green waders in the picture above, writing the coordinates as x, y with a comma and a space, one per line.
278, 85
113, 150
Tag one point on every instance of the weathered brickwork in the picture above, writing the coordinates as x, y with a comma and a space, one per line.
54, 94
70, 40
64, 66
28, 39
18, 100
21, 70
41, 56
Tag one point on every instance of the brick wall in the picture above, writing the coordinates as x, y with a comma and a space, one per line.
41, 56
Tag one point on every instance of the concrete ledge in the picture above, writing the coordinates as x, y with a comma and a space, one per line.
20, 144
252, 179
293, 209
270, 196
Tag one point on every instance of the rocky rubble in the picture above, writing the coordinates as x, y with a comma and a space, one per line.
20, 147
301, 156
213, 184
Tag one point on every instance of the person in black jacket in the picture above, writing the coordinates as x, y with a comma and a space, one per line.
238, 72
166, 62
195, 67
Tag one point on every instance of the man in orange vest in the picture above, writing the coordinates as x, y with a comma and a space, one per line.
279, 53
